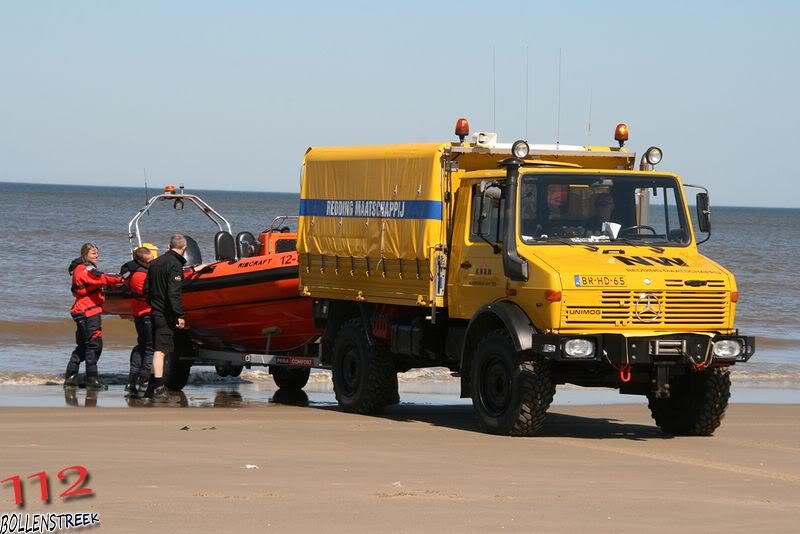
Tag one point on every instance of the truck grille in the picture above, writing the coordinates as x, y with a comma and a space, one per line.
666, 308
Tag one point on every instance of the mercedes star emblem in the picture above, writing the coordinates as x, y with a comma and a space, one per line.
648, 308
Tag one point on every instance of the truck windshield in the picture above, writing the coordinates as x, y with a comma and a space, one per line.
595, 209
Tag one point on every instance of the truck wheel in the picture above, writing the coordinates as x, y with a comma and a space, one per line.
364, 379
510, 397
290, 378
696, 404
236, 370
176, 372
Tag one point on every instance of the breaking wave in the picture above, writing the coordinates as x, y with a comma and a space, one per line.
753, 375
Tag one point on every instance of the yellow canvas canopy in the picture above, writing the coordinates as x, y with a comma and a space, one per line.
376, 201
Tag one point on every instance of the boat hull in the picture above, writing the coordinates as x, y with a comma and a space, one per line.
251, 306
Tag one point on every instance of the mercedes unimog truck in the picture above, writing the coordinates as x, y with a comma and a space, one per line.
518, 267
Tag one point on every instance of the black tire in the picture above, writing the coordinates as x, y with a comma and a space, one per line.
364, 378
290, 378
696, 405
223, 370
236, 370
511, 397
176, 372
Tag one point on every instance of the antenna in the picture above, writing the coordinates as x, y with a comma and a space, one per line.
146, 194
494, 91
558, 119
590, 112
526, 92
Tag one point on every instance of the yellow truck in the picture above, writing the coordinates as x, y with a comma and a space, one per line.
518, 267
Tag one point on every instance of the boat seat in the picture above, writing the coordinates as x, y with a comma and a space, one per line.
224, 246
192, 253
246, 245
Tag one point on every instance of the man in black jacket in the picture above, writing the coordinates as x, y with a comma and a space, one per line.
164, 295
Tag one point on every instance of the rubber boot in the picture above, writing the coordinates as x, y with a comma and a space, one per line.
151, 385
143, 382
93, 383
71, 381
130, 388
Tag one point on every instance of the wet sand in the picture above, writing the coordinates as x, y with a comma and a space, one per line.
420, 468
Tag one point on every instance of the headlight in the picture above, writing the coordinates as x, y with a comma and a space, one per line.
727, 348
653, 155
520, 149
579, 348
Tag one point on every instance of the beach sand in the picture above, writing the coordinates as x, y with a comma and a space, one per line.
418, 469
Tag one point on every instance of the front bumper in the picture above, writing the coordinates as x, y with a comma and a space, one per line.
627, 350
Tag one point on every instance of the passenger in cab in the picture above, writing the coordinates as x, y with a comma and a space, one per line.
88, 288
134, 276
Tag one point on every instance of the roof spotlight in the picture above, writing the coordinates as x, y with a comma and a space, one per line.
653, 155
520, 149
178, 204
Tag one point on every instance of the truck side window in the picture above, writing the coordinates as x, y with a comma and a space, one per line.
657, 208
497, 218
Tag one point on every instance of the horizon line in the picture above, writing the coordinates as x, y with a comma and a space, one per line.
296, 193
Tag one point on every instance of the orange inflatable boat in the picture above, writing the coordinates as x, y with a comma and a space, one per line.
242, 309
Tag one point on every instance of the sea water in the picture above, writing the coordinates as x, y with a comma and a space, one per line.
42, 228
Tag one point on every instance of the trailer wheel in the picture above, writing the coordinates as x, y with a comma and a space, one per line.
236, 370
176, 372
290, 378
696, 405
510, 397
364, 379
222, 370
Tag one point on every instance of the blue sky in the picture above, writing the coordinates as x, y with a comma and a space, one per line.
227, 95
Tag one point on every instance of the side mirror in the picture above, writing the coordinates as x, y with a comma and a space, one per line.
703, 212
491, 192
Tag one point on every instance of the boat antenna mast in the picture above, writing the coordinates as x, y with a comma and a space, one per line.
146, 194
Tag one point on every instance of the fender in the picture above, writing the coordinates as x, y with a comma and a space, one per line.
514, 319
498, 314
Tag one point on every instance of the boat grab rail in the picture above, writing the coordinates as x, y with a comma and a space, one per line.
278, 221
135, 236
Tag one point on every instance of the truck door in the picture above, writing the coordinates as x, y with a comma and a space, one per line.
477, 270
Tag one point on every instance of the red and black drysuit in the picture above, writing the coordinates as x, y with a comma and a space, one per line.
88, 288
134, 277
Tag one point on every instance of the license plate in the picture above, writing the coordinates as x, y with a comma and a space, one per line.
590, 280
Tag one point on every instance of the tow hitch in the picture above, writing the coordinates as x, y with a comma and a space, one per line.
661, 381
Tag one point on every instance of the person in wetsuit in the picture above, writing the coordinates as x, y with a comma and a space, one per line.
164, 296
88, 288
134, 276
